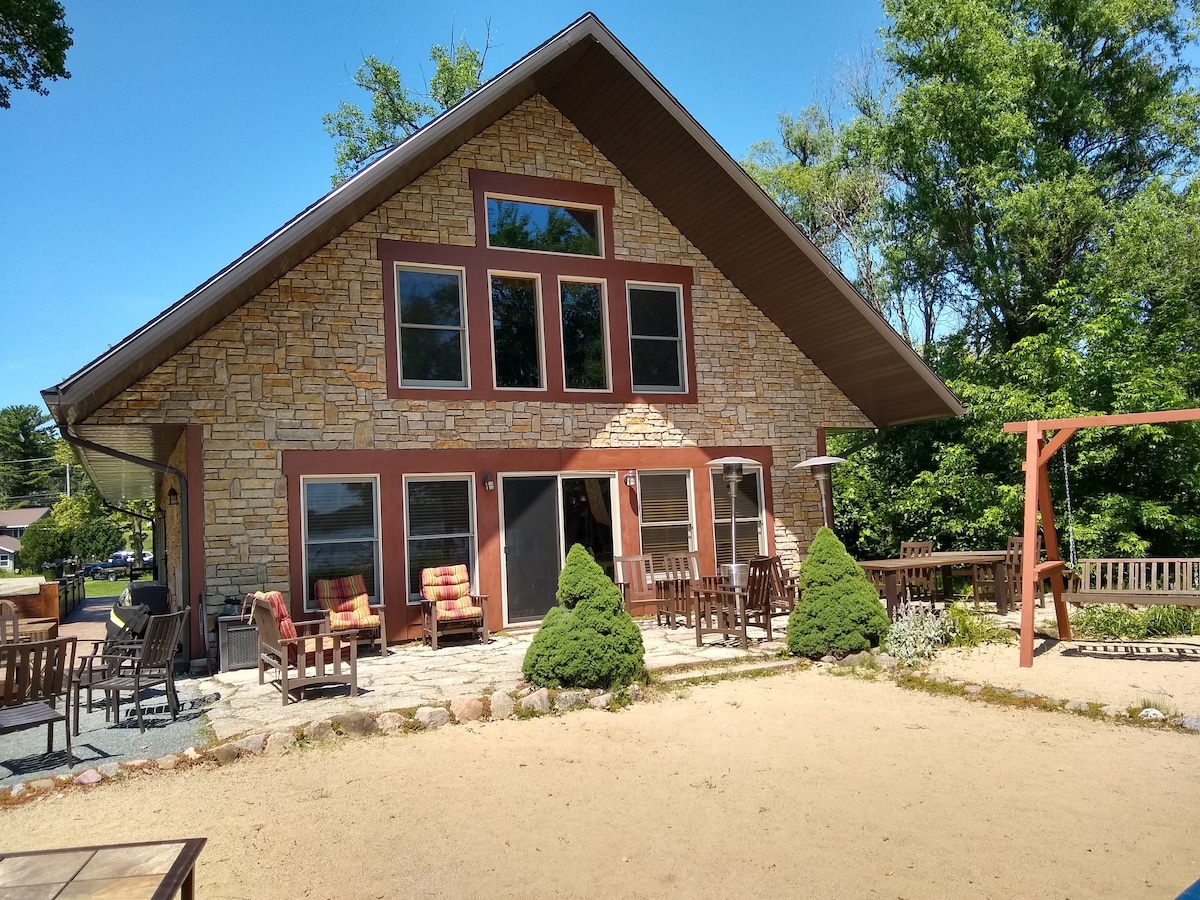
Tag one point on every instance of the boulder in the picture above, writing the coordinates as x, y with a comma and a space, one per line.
251, 743
569, 700
502, 705
537, 702
319, 731
466, 709
91, 776
224, 754
168, 762
354, 721
635, 692
279, 741
390, 721
433, 716
1078, 705
601, 701
109, 770
1150, 714
1191, 723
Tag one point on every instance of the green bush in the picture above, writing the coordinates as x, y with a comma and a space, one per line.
840, 612
1106, 620
588, 640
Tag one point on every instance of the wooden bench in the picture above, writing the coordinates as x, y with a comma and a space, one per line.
1135, 582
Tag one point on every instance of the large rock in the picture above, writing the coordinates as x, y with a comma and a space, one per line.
319, 731
1151, 714
433, 716
537, 702
390, 721
502, 705
1078, 705
601, 701
569, 700
91, 776
1191, 723
635, 692
224, 754
466, 709
170, 761
109, 770
251, 743
279, 742
354, 721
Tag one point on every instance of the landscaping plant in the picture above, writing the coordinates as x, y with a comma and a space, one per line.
916, 633
1105, 620
840, 612
588, 640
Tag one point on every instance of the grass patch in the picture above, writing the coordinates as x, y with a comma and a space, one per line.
107, 588
970, 629
1107, 620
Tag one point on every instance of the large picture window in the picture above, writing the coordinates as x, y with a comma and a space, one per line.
432, 329
341, 532
549, 227
749, 511
440, 527
656, 338
516, 331
665, 501
584, 339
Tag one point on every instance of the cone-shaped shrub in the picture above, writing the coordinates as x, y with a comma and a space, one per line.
588, 640
840, 611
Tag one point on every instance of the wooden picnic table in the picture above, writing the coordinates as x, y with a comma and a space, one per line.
155, 870
947, 561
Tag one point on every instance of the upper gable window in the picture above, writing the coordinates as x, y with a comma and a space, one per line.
548, 227
432, 329
656, 338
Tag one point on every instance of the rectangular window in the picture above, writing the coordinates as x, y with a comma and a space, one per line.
516, 331
432, 320
749, 509
665, 502
440, 527
549, 227
656, 338
583, 332
341, 532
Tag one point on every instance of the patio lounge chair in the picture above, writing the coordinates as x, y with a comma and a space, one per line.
133, 670
36, 674
347, 607
449, 607
303, 653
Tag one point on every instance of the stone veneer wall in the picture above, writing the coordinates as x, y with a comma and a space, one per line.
301, 366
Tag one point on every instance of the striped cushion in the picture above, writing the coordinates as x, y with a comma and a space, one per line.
283, 616
458, 612
342, 621
347, 594
450, 587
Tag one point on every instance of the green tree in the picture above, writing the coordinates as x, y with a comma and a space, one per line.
41, 544
34, 39
28, 467
396, 110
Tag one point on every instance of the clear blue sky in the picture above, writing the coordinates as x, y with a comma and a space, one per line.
190, 130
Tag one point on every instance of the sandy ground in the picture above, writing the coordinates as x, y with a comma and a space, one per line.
1120, 673
803, 784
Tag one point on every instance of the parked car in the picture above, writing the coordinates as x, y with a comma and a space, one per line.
116, 566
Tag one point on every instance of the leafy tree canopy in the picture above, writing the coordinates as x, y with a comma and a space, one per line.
396, 110
34, 39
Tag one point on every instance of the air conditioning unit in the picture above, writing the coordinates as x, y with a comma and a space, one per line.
237, 643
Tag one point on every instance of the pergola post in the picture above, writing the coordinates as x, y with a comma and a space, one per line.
1029, 560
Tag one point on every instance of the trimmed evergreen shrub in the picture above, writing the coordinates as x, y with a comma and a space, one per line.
588, 640
840, 611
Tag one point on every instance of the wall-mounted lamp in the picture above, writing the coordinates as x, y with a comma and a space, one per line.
489, 481
630, 478
173, 497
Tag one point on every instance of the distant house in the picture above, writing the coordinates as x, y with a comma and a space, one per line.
535, 322
13, 523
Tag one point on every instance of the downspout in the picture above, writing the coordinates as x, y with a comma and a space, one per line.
163, 469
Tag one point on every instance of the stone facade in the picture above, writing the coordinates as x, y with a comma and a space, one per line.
302, 365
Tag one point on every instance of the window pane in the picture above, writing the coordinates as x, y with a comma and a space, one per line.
654, 311
583, 335
658, 540
431, 354
664, 498
429, 298
747, 496
524, 225
515, 330
428, 553
339, 560
656, 364
340, 510
439, 507
748, 544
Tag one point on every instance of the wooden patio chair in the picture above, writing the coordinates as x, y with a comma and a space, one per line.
134, 669
681, 576
449, 607
10, 629
919, 583
720, 611
35, 675
347, 607
983, 587
635, 578
302, 653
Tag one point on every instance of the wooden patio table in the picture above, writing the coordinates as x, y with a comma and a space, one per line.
154, 870
946, 560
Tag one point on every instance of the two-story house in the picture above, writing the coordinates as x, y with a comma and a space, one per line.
535, 322
13, 523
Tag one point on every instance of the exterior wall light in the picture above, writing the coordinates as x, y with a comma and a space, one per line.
173, 497
630, 478
489, 481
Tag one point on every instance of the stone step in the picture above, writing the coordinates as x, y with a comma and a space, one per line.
715, 673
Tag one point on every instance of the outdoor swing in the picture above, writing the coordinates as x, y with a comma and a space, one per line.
1136, 582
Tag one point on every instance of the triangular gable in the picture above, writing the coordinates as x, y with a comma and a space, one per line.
596, 82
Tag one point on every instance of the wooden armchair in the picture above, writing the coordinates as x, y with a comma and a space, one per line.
35, 674
449, 607
347, 607
303, 653
918, 583
635, 578
767, 591
720, 611
133, 669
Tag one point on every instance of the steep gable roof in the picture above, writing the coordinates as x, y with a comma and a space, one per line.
21, 518
588, 75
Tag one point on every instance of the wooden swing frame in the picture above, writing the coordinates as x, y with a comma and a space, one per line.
1038, 452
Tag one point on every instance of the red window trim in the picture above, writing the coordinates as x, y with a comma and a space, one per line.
477, 260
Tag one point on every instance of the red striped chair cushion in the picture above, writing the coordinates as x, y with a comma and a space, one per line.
461, 612
347, 594
283, 616
450, 588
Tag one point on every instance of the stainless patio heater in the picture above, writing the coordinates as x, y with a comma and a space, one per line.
821, 466
731, 469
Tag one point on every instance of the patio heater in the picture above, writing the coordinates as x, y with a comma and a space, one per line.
731, 470
821, 466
